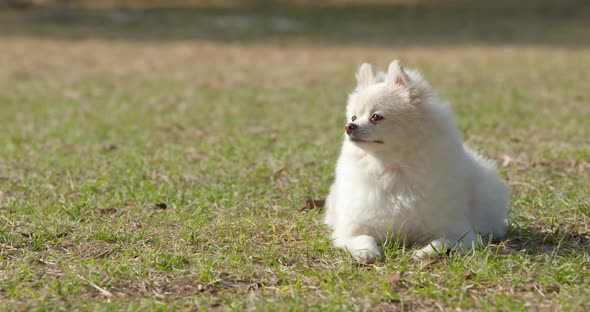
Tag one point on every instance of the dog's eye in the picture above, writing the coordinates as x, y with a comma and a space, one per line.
353, 118
376, 118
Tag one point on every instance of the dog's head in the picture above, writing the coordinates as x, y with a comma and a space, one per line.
384, 111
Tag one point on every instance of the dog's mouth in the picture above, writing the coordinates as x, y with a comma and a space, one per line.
363, 141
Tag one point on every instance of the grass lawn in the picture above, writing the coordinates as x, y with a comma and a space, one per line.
162, 158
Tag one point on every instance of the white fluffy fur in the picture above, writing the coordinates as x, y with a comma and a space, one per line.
409, 174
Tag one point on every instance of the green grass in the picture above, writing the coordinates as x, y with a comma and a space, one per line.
233, 135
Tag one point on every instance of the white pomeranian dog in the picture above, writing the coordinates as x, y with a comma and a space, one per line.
403, 171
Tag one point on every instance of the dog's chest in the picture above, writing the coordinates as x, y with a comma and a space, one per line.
391, 196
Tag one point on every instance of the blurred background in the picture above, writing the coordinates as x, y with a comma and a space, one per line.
356, 22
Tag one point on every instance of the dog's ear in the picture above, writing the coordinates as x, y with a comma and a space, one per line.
397, 75
364, 76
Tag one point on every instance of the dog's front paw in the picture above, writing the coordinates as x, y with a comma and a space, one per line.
366, 256
364, 249
435, 249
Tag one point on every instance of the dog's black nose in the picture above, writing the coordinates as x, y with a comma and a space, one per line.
350, 127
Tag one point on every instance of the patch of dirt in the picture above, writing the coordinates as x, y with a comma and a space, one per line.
95, 249
311, 204
7, 250
396, 305
107, 211
167, 286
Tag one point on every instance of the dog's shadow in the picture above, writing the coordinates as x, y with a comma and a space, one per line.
529, 240
533, 240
